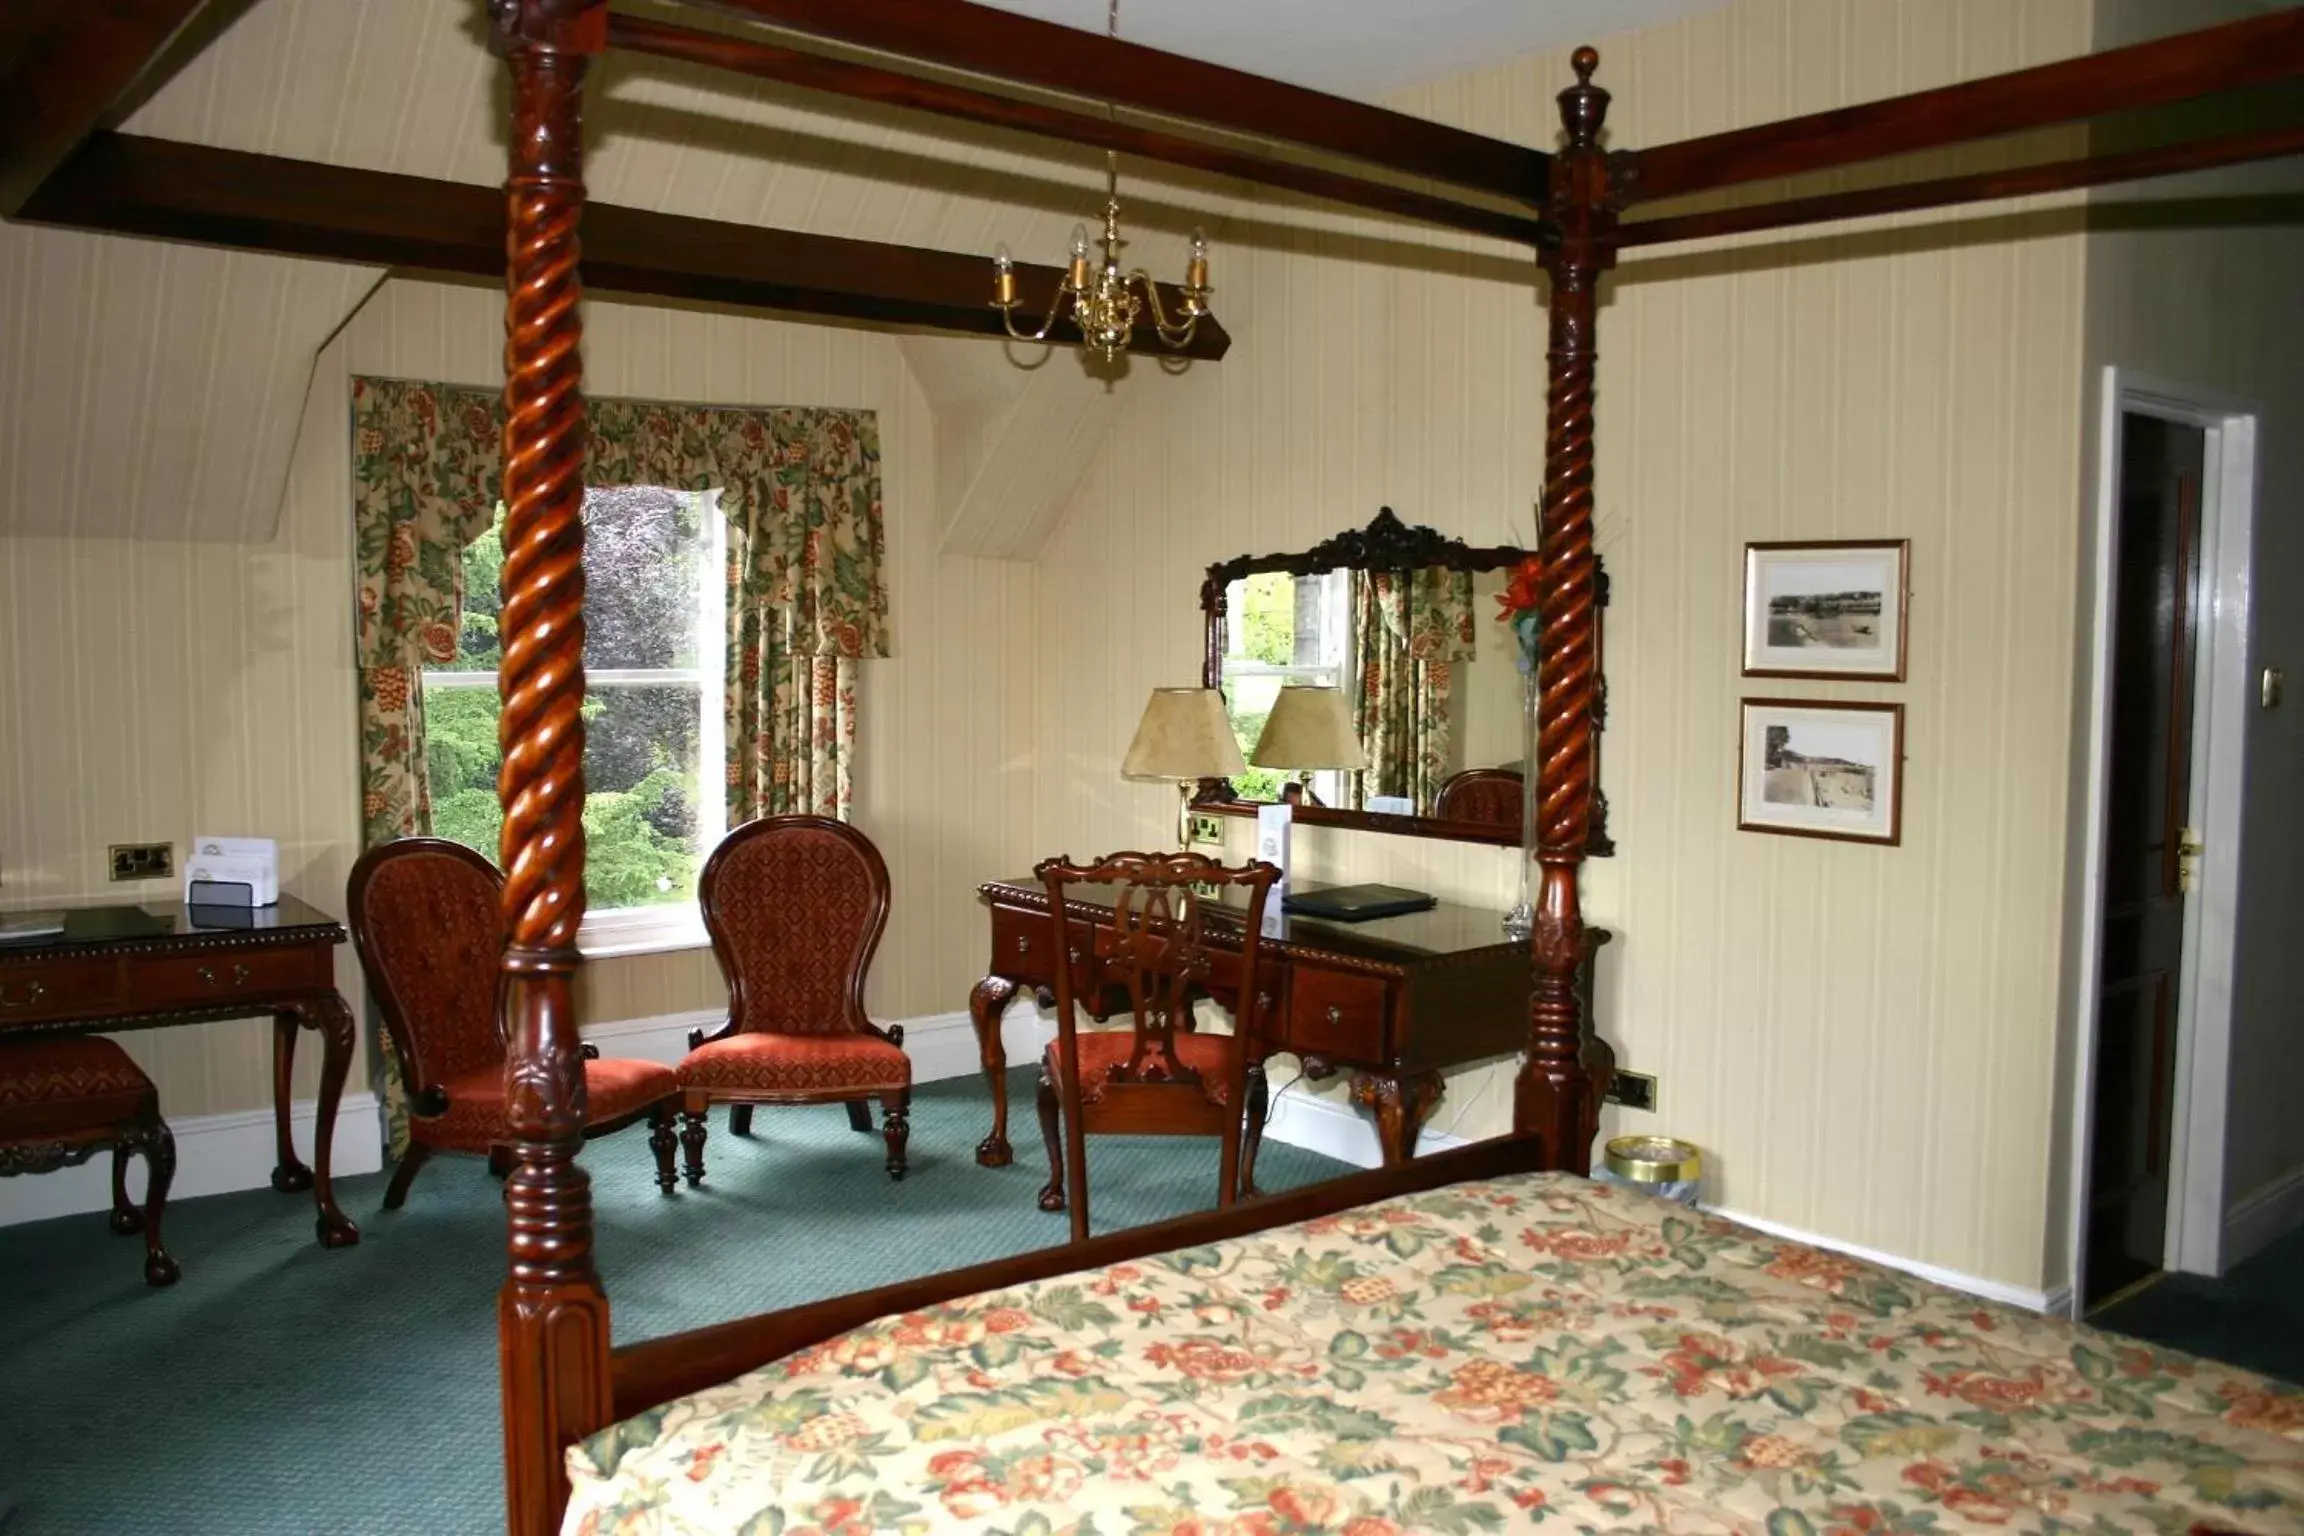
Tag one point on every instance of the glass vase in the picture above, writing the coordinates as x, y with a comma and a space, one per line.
1520, 922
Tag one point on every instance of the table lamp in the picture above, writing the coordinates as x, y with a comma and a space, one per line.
1309, 727
1185, 736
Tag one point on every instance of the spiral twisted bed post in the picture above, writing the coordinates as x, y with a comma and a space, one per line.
552, 1315
1559, 1089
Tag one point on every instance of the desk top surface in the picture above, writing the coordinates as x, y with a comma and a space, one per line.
1447, 929
93, 924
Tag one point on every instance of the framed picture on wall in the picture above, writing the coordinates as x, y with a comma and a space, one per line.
1826, 609
1811, 768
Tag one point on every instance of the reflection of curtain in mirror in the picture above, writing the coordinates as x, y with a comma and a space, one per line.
1409, 629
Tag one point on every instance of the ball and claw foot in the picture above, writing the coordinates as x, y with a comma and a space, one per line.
994, 1152
161, 1270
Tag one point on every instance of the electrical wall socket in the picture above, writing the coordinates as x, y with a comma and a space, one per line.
1207, 831
1633, 1090
143, 861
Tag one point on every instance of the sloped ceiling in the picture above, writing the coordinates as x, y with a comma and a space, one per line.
162, 383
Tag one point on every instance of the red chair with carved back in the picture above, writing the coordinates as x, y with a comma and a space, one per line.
428, 925
796, 906
1160, 1076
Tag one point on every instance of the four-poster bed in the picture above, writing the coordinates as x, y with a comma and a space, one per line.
562, 1381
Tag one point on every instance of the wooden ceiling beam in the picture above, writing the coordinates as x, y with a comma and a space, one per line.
819, 72
64, 64
1001, 45
2257, 51
1983, 186
124, 184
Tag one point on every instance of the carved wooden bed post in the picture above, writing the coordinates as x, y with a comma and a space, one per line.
1558, 1094
552, 1315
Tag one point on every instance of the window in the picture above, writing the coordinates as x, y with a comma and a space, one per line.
655, 638
1284, 629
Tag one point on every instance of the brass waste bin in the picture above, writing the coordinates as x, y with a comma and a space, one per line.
1655, 1165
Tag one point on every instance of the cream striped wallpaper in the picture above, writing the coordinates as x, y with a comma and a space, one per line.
155, 687
1862, 1038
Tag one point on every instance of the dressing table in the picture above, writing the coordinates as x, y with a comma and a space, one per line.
1396, 1001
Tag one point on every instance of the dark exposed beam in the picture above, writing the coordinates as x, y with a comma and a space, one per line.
815, 71
63, 64
1004, 46
2243, 53
1984, 186
176, 191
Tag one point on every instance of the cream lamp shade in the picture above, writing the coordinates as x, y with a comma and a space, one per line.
1309, 728
1184, 735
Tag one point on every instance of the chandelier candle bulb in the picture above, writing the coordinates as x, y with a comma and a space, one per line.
1196, 267
1003, 278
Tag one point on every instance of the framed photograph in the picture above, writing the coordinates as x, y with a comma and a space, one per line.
1823, 609
1810, 768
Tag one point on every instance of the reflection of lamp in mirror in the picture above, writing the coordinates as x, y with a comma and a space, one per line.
1183, 736
1309, 728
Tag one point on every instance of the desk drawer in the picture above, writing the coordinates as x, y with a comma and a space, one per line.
206, 981
1336, 1013
58, 989
1271, 990
1023, 945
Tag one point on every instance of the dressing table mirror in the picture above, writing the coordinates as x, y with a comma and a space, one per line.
1401, 622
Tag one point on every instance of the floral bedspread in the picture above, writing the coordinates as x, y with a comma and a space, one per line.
1537, 1352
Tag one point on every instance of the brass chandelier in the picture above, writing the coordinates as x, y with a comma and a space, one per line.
1104, 300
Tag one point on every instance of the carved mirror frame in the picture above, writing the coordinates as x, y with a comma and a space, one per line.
1388, 544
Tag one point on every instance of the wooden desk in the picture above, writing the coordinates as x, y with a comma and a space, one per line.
188, 972
1395, 1001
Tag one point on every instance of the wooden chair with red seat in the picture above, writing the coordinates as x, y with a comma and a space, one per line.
63, 1100
428, 925
796, 906
1160, 1076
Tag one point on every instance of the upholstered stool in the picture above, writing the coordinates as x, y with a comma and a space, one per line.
63, 1100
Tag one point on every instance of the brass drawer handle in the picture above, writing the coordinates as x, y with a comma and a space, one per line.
1335, 1014
1074, 952
239, 976
1023, 943
31, 996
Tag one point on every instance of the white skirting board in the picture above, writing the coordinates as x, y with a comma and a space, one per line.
2261, 1217
215, 1155
2057, 1302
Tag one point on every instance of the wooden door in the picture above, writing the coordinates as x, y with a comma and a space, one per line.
2156, 621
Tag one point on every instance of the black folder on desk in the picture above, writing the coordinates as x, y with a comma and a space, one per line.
1356, 903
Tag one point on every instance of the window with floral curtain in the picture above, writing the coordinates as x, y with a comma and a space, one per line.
800, 495
1409, 629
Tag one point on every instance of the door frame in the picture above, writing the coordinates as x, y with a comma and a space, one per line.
2221, 704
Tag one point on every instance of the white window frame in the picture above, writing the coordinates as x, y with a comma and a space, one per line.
668, 926
1329, 784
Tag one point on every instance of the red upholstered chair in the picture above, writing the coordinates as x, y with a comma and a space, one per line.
1159, 1077
795, 906
63, 1100
429, 930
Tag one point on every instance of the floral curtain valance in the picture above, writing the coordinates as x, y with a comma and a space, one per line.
801, 484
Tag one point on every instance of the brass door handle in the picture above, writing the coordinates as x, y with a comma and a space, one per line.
239, 976
31, 996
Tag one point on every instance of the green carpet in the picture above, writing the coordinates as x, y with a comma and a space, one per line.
2253, 1316
279, 1388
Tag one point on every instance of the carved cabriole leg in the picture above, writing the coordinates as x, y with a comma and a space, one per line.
289, 1175
159, 1146
987, 1002
332, 1017
1555, 1096
1259, 1106
552, 1315
411, 1163
126, 1219
1052, 1192
1401, 1106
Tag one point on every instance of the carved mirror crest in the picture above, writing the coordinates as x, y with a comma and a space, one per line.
1442, 733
